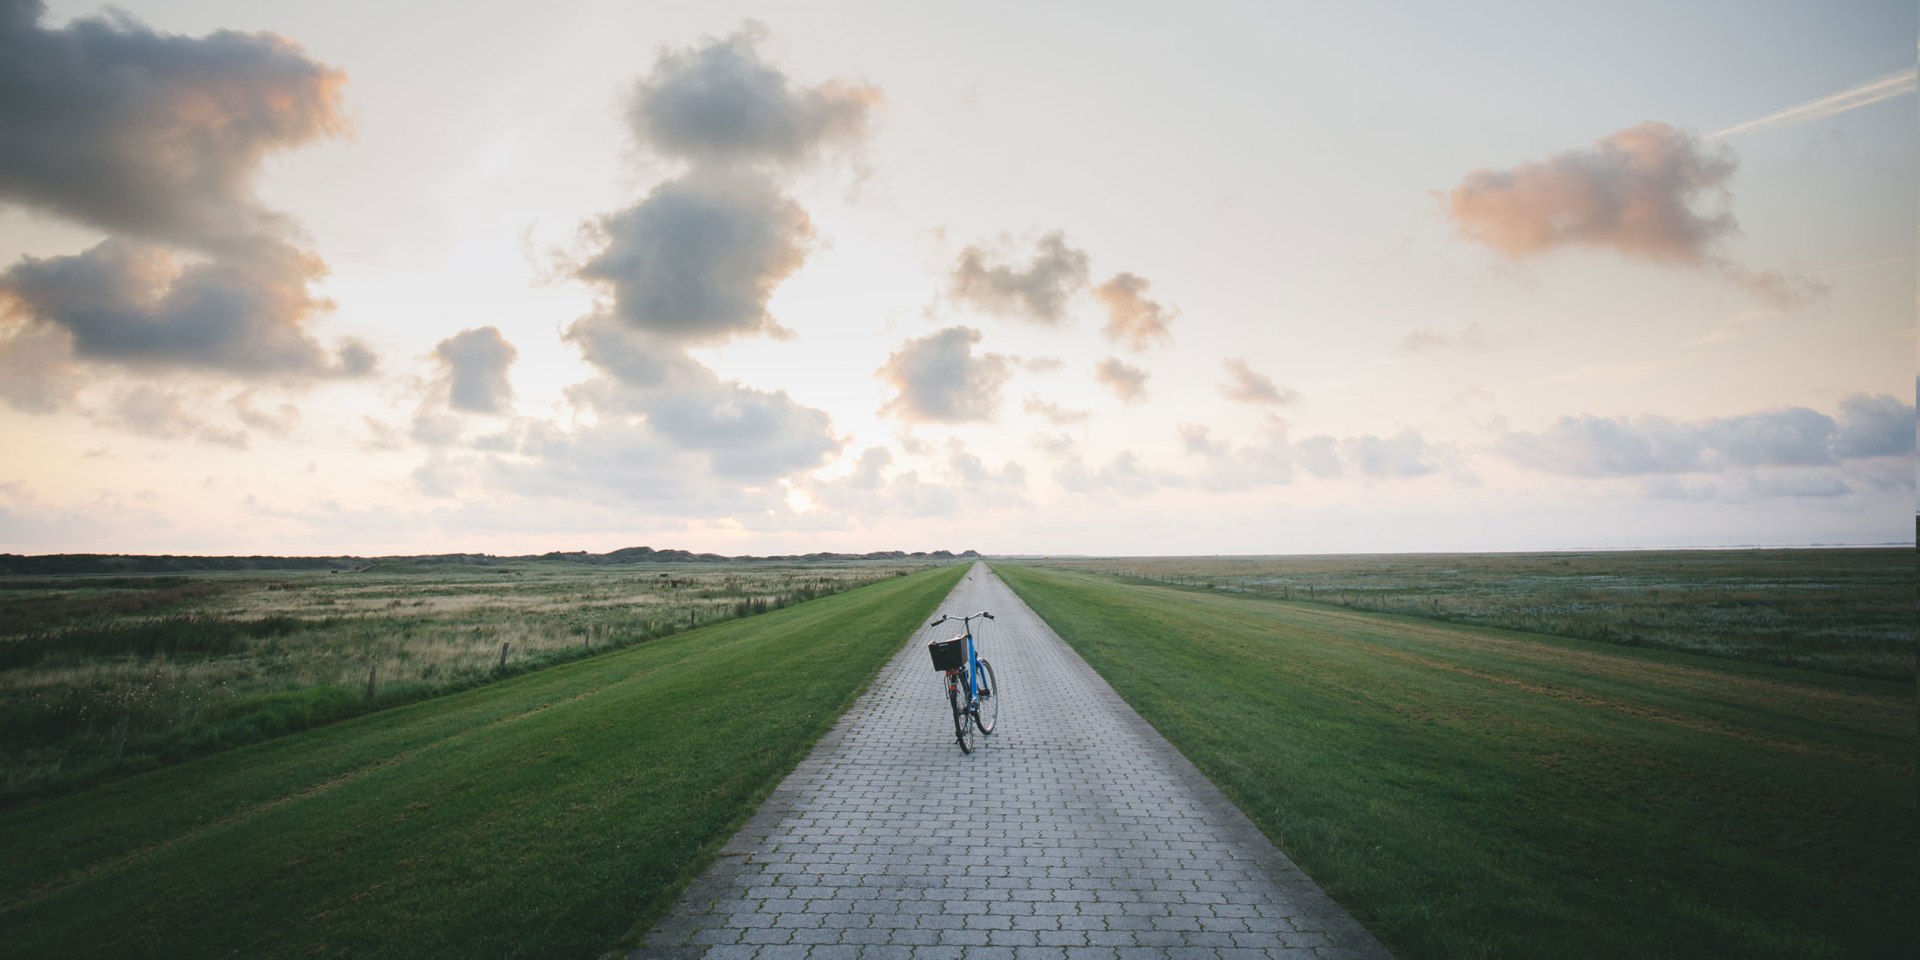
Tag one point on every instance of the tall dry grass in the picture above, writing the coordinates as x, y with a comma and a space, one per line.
104, 674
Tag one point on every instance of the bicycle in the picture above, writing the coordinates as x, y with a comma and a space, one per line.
972, 689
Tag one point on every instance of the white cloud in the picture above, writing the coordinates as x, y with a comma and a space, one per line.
939, 378
1590, 446
474, 364
721, 102
697, 260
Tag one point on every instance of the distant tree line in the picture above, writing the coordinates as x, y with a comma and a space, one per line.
65, 564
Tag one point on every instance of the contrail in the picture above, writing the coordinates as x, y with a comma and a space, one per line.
1871, 263
1898, 83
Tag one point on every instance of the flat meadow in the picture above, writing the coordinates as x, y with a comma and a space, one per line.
108, 674
1848, 611
1473, 791
556, 813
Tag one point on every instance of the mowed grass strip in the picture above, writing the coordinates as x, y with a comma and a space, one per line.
1473, 792
551, 815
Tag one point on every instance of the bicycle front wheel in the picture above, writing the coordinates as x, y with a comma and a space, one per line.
962, 723
989, 709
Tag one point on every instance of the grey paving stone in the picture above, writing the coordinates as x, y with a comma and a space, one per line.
1075, 831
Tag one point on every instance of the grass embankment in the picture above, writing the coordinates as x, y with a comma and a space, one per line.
102, 676
538, 817
1473, 792
1835, 610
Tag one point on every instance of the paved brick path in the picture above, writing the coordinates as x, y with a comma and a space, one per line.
1075, 831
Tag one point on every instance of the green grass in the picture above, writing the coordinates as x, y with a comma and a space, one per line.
1471, 792
550, 815
1836, 610
103, 675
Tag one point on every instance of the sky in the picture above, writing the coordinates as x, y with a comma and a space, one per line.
1095, 278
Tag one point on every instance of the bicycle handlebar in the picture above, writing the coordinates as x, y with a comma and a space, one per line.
963, 619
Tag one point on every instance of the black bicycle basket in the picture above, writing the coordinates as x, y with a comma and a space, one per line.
948, 654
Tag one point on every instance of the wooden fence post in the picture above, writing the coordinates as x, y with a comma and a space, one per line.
373, 672
503, 655
119, 738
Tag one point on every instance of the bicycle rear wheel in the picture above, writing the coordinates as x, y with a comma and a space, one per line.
962, 723
989, 698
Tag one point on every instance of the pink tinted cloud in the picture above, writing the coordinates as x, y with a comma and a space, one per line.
1132, 317
1633, 192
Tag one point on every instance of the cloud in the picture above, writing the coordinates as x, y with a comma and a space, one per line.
1788, 437
722, 102
1758, 486
1319, 455
37, 372
1631, 192
1272, 459
1039, 291
1783, 290
745, 432
474, 364
696, 261
1874, 425
163, 414
986, 486
633, 357
939, 378
1885, 87
1125, 474
868, 470
966, 483
157, 139
1224, 466
434, 427
440, 475
621, 461
152, 135
1127, 382
1427, 340
1056, 445
1402, 456
1054, 413
1244, 385
1198, 440
693, 263
279, 421
1132, 319
138, 306
1590, 446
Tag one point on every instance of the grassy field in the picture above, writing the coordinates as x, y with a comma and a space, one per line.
1471, 792
541, 816
104, 674
1841, 610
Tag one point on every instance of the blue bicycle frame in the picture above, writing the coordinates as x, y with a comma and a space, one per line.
967, 710
973, 654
